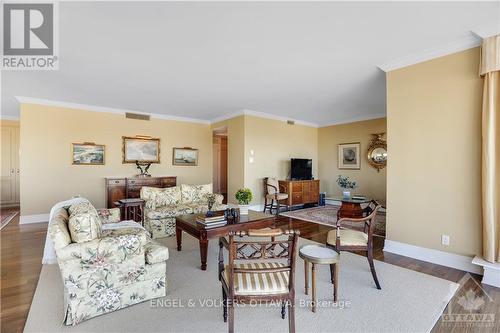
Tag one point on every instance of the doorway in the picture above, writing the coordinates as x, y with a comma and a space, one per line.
219, 178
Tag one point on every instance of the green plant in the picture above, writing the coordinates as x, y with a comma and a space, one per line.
244, 196
345, 183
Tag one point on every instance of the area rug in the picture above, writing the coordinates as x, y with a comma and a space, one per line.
408, 302
327, 215
6, 217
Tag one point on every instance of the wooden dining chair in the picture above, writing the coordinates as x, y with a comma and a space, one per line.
273, 261
273, 199
356, 234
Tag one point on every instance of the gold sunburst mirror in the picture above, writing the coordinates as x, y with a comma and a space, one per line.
377, 152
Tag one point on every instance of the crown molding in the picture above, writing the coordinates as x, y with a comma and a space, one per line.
96, 108
459, 45
354, 119
265, 115
7, 117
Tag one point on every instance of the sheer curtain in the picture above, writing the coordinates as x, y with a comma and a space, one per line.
490, 70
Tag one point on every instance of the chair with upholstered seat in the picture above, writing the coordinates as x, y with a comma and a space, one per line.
356, 234
272, 196
268, 278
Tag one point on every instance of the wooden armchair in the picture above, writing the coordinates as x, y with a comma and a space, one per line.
272, 194
357, 235
273, 261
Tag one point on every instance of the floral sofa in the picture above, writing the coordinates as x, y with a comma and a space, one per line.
164, 204
105, 266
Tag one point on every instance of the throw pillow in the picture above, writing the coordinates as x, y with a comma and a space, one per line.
111, 215
195, 193
84, 227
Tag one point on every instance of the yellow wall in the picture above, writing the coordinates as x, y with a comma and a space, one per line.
235, 153
47, 175
434, 145
274, 143
371, 183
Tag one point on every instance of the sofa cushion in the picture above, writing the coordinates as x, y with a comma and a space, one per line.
84, 227
169, 211
195, 193
156, 197
59, 232
111, 215
155, 253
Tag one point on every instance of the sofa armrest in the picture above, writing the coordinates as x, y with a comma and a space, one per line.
155, 253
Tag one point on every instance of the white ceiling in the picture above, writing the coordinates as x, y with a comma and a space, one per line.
315, 62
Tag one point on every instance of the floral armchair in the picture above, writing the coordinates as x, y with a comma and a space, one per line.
164, 204
105, 266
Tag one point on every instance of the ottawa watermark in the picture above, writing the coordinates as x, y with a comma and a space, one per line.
218, 303
468, 307
30, 36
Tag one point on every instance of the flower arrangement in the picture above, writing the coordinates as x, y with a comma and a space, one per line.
244, 196
345, 183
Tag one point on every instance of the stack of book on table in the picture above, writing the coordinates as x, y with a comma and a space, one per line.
212, 221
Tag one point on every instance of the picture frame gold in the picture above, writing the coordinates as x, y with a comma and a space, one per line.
88, 153
349, 156
144, 149
376, 153
185, 156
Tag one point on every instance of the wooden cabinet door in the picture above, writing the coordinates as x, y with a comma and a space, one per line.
306, 191
314, 196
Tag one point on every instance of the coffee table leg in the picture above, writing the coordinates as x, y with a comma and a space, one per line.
178, 235
306, 275
313, 277
203, 252
336, 285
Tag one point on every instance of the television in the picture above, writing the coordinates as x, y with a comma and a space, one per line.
301, 169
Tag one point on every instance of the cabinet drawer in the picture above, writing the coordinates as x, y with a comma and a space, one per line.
296, 198
143, 182
296, 186
115, 181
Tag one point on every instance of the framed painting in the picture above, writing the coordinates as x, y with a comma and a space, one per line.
140, 148
87, 153
349, 156
185, 156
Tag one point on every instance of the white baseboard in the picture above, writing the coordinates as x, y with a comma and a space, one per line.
491, 274
447, 259
36, 218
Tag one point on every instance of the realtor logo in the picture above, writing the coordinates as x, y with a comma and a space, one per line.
29, 36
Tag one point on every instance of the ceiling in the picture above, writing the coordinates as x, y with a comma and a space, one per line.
315, 62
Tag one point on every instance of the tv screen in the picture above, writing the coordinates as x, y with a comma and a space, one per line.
301, 169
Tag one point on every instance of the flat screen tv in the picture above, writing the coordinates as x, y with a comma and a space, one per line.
301, 169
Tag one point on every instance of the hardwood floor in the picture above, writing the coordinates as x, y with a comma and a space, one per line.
22, 248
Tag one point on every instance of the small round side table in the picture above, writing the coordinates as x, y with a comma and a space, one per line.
320, 255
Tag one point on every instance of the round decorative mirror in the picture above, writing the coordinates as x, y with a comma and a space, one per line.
377, 152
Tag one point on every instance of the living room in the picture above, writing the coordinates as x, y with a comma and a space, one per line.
171, 135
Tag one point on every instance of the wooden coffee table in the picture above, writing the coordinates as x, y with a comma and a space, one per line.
188, 224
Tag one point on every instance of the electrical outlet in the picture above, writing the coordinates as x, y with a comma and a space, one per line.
445, 240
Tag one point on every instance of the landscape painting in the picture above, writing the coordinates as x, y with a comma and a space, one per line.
141, 149
185, 156
87, 154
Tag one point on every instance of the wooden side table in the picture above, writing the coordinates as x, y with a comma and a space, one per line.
320, 255
132, 209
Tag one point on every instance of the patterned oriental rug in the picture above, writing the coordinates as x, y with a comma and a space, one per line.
327, 215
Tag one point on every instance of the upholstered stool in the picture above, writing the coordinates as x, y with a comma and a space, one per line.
320, 255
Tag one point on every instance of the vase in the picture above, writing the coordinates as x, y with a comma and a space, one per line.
346, 194
243, 209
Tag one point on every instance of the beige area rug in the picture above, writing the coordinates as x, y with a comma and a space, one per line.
327, 215
408, 302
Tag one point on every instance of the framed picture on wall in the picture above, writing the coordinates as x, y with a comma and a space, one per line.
185, 156
141, 149
87, 153
349, 155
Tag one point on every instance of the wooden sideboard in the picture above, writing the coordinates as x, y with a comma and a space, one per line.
300, 192
127, 188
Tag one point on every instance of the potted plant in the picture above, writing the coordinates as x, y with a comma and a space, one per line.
244, 196
347, 185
